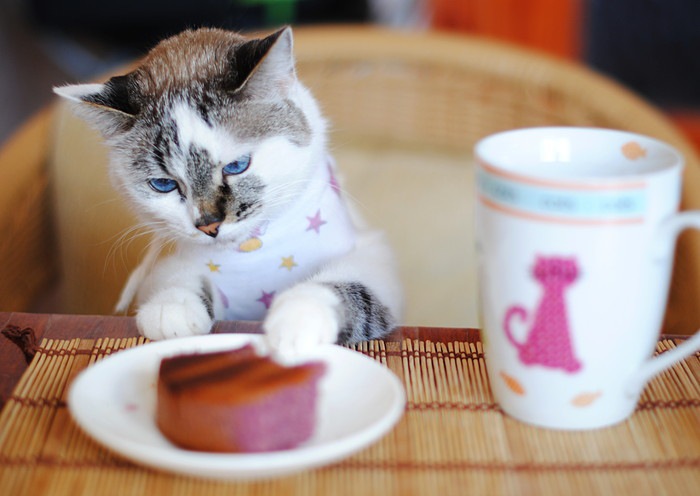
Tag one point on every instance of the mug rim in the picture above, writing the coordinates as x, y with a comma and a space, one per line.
485, 158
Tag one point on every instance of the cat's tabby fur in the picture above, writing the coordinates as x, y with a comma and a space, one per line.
217, 145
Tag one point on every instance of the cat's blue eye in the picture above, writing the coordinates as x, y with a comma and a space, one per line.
163, 184
238, 166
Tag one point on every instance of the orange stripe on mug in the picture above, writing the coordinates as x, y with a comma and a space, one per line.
560, 220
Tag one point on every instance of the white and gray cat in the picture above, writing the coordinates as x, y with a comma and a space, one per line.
220, 148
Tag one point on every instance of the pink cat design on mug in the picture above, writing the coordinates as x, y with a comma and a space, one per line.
569, 341
548, 342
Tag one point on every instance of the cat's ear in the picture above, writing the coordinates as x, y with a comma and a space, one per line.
264, 67
111, 107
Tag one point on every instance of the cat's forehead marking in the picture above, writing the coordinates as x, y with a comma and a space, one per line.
199, 171
242, 122
192, 129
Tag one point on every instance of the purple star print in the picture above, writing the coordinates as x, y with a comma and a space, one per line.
315, 222
266, 298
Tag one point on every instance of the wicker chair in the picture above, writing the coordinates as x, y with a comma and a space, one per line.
406, 110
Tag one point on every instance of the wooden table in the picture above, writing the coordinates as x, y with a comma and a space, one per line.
452, 439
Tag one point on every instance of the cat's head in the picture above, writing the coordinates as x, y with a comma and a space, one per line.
556, 270
210, 135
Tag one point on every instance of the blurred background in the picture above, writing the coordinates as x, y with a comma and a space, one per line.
650, 46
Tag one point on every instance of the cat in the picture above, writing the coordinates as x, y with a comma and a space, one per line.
548, 341
216, 143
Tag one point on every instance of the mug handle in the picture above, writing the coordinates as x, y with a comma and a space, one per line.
664, 249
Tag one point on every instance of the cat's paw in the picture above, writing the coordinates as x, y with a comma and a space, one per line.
173, 313
303, 317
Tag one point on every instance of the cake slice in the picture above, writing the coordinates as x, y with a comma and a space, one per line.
236, 401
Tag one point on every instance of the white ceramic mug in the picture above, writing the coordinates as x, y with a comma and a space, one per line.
576, 229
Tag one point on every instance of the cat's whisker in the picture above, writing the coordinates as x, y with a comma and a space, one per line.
280, 200
352, 199
160, 243
126, 238
283, 194
119, 238
98, 206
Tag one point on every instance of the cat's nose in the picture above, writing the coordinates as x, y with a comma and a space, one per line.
211, 229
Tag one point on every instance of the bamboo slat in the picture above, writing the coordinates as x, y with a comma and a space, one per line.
452, 439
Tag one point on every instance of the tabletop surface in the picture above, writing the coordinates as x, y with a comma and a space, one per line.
452, 436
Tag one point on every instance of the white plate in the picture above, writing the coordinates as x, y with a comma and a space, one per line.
114, 402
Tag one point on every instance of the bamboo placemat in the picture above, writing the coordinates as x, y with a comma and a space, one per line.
453, 438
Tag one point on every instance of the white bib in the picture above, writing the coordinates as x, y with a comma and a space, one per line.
279, 253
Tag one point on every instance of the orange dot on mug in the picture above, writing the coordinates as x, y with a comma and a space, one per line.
513, 384
633, 150
585, 399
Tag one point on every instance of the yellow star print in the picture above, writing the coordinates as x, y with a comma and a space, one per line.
213, 267
288, 262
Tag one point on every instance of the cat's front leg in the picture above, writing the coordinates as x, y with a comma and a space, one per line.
175, 302
356, 298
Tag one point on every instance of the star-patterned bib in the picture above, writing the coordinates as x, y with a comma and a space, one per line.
281, 252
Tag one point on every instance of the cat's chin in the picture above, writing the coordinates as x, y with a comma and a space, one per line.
223, 240
204, 240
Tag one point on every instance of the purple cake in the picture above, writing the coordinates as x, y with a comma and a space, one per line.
236, 401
